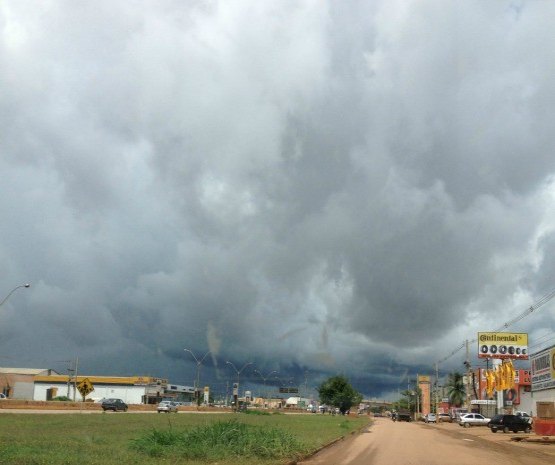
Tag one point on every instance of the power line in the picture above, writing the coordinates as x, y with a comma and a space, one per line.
540, 303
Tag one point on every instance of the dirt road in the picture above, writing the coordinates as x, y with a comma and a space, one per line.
390, 443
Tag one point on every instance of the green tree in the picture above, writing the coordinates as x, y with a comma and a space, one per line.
409, 400
455, 389
338, 392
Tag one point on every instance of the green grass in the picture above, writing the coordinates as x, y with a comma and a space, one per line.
190, 438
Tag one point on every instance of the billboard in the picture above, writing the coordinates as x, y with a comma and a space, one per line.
543, 369
503, 345
288, 390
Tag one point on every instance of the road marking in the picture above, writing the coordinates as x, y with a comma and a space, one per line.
469, 440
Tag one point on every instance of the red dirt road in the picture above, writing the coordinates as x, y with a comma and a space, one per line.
400, 443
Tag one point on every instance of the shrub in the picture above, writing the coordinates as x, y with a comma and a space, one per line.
220, 440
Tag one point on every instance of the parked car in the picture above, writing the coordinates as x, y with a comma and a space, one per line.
2, 396
114, 404
166, 406
444, 418
402, 415
430, 418
524, 415
473, 419
508, 423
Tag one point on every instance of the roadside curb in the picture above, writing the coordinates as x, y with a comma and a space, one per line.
329, 444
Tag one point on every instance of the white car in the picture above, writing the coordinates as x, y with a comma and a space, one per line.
430, 418
473, 419
524, 415
166, 406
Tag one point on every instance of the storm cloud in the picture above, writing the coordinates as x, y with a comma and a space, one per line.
312, 186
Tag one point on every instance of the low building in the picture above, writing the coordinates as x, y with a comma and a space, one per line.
542, 386
297, 402
132, 390
18, 383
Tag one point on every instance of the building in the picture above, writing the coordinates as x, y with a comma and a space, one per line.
512, 398
18, 383
132, 390
542, 377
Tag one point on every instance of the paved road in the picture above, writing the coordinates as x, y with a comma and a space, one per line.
390, 443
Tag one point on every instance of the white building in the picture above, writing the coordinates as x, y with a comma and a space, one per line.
132, 390
543, 381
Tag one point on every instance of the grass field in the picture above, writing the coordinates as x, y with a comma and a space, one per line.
124, 438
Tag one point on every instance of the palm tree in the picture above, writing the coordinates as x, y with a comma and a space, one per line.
455, 389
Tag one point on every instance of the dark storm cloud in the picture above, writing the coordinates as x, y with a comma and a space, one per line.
314, 187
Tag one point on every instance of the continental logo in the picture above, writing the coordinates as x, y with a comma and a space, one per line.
503, 345
515, 338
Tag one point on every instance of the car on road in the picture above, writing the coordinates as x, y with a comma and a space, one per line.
473, 419
402, 415
430, 418
524, 415
507, 423
444, 418
166, 406
114, 404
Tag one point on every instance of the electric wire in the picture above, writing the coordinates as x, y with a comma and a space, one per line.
538, 304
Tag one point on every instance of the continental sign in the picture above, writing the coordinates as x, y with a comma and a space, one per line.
543, 369
503, 345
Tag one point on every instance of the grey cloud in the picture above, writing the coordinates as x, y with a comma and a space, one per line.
305, 186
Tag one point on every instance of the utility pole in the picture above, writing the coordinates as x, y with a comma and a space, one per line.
437, 390
417, 390
468, 376
75, 379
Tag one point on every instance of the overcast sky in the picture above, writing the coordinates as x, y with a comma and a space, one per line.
316, 187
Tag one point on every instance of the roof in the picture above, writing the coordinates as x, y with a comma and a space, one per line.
27, 371
114, 380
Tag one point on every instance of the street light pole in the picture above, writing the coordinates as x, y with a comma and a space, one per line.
264, 378
199, 363
236, 393
12, 291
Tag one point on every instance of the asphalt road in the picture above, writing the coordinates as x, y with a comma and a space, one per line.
400, 443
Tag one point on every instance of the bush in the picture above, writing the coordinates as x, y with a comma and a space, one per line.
256, 412
62, 399
220, 440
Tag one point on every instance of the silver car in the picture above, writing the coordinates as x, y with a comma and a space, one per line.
167, 406
473, 419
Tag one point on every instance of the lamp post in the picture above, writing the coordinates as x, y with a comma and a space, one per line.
236, 389
264, 378
12, 291
199, 363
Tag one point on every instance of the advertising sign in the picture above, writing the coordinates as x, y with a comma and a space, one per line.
543, 369
288, 390
503, 345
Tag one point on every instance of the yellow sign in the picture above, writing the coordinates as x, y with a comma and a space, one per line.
503, 345
85, 387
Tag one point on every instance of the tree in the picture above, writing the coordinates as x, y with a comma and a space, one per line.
455, 389
409, 400
338, 392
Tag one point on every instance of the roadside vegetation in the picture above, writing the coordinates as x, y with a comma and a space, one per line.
456, 389
338, 392
193, 439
